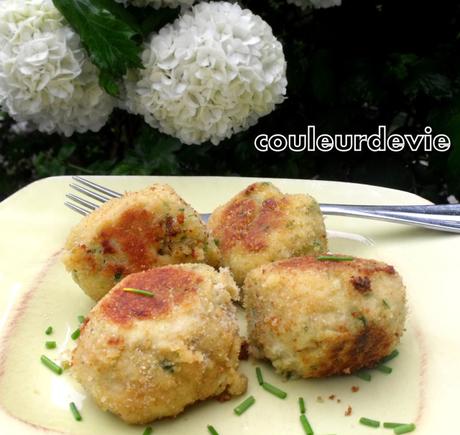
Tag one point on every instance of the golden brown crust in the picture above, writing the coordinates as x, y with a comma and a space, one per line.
249, 223
141, 230
179, 347
260, 225
361, 265
349, 352
318, 318
170, 286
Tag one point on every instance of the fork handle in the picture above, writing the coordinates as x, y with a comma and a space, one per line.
444, 209
411, 218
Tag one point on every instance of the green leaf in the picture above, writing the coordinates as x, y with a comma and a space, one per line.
109, 83
109, 34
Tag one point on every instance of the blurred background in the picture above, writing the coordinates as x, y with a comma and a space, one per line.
350, 69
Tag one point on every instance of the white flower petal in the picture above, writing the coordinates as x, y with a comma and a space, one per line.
46, 78
228, 70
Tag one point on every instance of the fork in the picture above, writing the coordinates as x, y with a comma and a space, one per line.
427, 216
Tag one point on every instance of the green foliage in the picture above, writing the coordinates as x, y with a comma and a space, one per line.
108, 33
350, 69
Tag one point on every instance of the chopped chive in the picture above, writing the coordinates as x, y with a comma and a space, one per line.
49, 330
148, 430
75, 334
389, 357
212, 431
51, 365
243, 406
302, 405
387, 305
74, 410
384, 369
369, 422
81, 319
50, 345
390, 425
260, 378
274, 390
405, 428
334, 258
138, 291
363, 319
306, 425
364, 376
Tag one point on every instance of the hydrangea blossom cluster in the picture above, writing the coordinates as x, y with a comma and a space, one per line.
157, 3
317, 4
46, 78
213, 72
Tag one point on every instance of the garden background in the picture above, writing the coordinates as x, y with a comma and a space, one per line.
350, 69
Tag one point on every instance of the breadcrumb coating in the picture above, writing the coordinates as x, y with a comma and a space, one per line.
315, 318
148, 357
260, 225
144, 229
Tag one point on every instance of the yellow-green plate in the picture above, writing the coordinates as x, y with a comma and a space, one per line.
36, 292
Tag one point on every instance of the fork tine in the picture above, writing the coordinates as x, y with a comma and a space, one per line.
88, 204
76, 208
91, 194
98, 187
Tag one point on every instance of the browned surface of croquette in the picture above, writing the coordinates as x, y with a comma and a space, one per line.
260, 225
316, 318
169, 286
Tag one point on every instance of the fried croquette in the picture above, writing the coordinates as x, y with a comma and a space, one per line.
147, 357
260, 225
314, 318
141, 230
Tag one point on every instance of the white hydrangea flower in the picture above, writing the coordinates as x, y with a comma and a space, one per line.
213, 72
46, 78
317, 4
157, 3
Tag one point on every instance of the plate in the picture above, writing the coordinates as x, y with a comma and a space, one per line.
37, 292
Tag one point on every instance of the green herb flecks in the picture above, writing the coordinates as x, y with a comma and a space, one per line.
260, 378
391, 425
51, 365
334, 258
364, 376
274, 390
75, 334
50, 344
244, 406
49, 330
369, 422
212, 431
302, 405
405, 428
362, 319
139, 291
306, 425
75, 412
384, 369
389, 357
167, 365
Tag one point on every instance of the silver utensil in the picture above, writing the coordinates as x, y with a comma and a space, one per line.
444, 217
